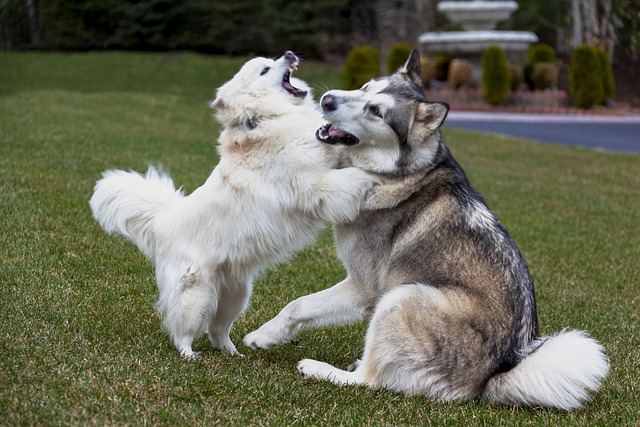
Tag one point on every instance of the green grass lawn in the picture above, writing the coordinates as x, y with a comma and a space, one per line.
81, 342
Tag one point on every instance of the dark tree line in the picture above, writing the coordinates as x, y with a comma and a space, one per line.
316, 27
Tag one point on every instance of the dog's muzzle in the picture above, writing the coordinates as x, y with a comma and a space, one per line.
330, 133
293, 62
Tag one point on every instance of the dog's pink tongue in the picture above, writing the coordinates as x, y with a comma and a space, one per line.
336, 133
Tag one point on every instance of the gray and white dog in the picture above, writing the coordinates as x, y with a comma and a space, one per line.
451, 298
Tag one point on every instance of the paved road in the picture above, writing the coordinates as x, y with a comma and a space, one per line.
611, 133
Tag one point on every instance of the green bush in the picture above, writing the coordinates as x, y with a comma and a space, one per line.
496, 80
585, 81
428, 70
606, 75
517, 76
541, 53
460, 73
442, 67
398, 55
537, 53
363, 63
544, 76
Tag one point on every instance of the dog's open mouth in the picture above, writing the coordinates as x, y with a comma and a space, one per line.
331, 134
286, 83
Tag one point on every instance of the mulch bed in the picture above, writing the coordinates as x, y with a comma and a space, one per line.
522, 101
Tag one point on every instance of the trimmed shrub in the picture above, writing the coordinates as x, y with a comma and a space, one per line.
517, 76
460, 73
541, 53
442, 67
496, 80
428, 70
537, 53
544, 76
398, 55
363, 64
606, 75
585, 81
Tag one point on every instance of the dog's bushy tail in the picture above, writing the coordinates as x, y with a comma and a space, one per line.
127, 202
558, 372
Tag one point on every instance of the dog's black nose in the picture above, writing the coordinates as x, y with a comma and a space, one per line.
329, 103
290, 56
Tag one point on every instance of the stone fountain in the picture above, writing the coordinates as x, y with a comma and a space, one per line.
478, 18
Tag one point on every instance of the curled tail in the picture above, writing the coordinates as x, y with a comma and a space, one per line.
126, 203
558, 372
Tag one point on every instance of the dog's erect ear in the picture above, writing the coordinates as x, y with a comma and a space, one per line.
431, 114
217, 103
412, 68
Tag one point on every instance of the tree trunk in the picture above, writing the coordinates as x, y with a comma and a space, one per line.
34, 20
607, 31
593, 24
576, 17
589, 11
403, 21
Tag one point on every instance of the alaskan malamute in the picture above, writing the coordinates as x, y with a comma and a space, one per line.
452, 301
273, 189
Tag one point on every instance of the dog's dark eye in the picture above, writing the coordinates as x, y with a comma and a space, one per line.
264, 71
375, 111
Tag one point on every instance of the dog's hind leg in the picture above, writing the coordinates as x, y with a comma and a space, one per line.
187, 311
233, 300
388, 350
343, 303
419, 341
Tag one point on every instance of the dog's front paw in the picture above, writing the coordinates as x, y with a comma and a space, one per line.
278, 330
258, 340
360, 178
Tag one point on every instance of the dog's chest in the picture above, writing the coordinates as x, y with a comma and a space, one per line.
365, 246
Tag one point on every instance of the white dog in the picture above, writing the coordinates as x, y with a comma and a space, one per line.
273, 189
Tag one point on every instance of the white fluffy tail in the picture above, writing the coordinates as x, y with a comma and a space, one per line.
559, 373
126, 203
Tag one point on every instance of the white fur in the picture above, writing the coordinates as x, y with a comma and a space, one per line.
354, 118
479, 216
324, 371
273, 189
559, 374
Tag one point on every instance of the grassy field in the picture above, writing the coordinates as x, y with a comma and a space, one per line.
81, 343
